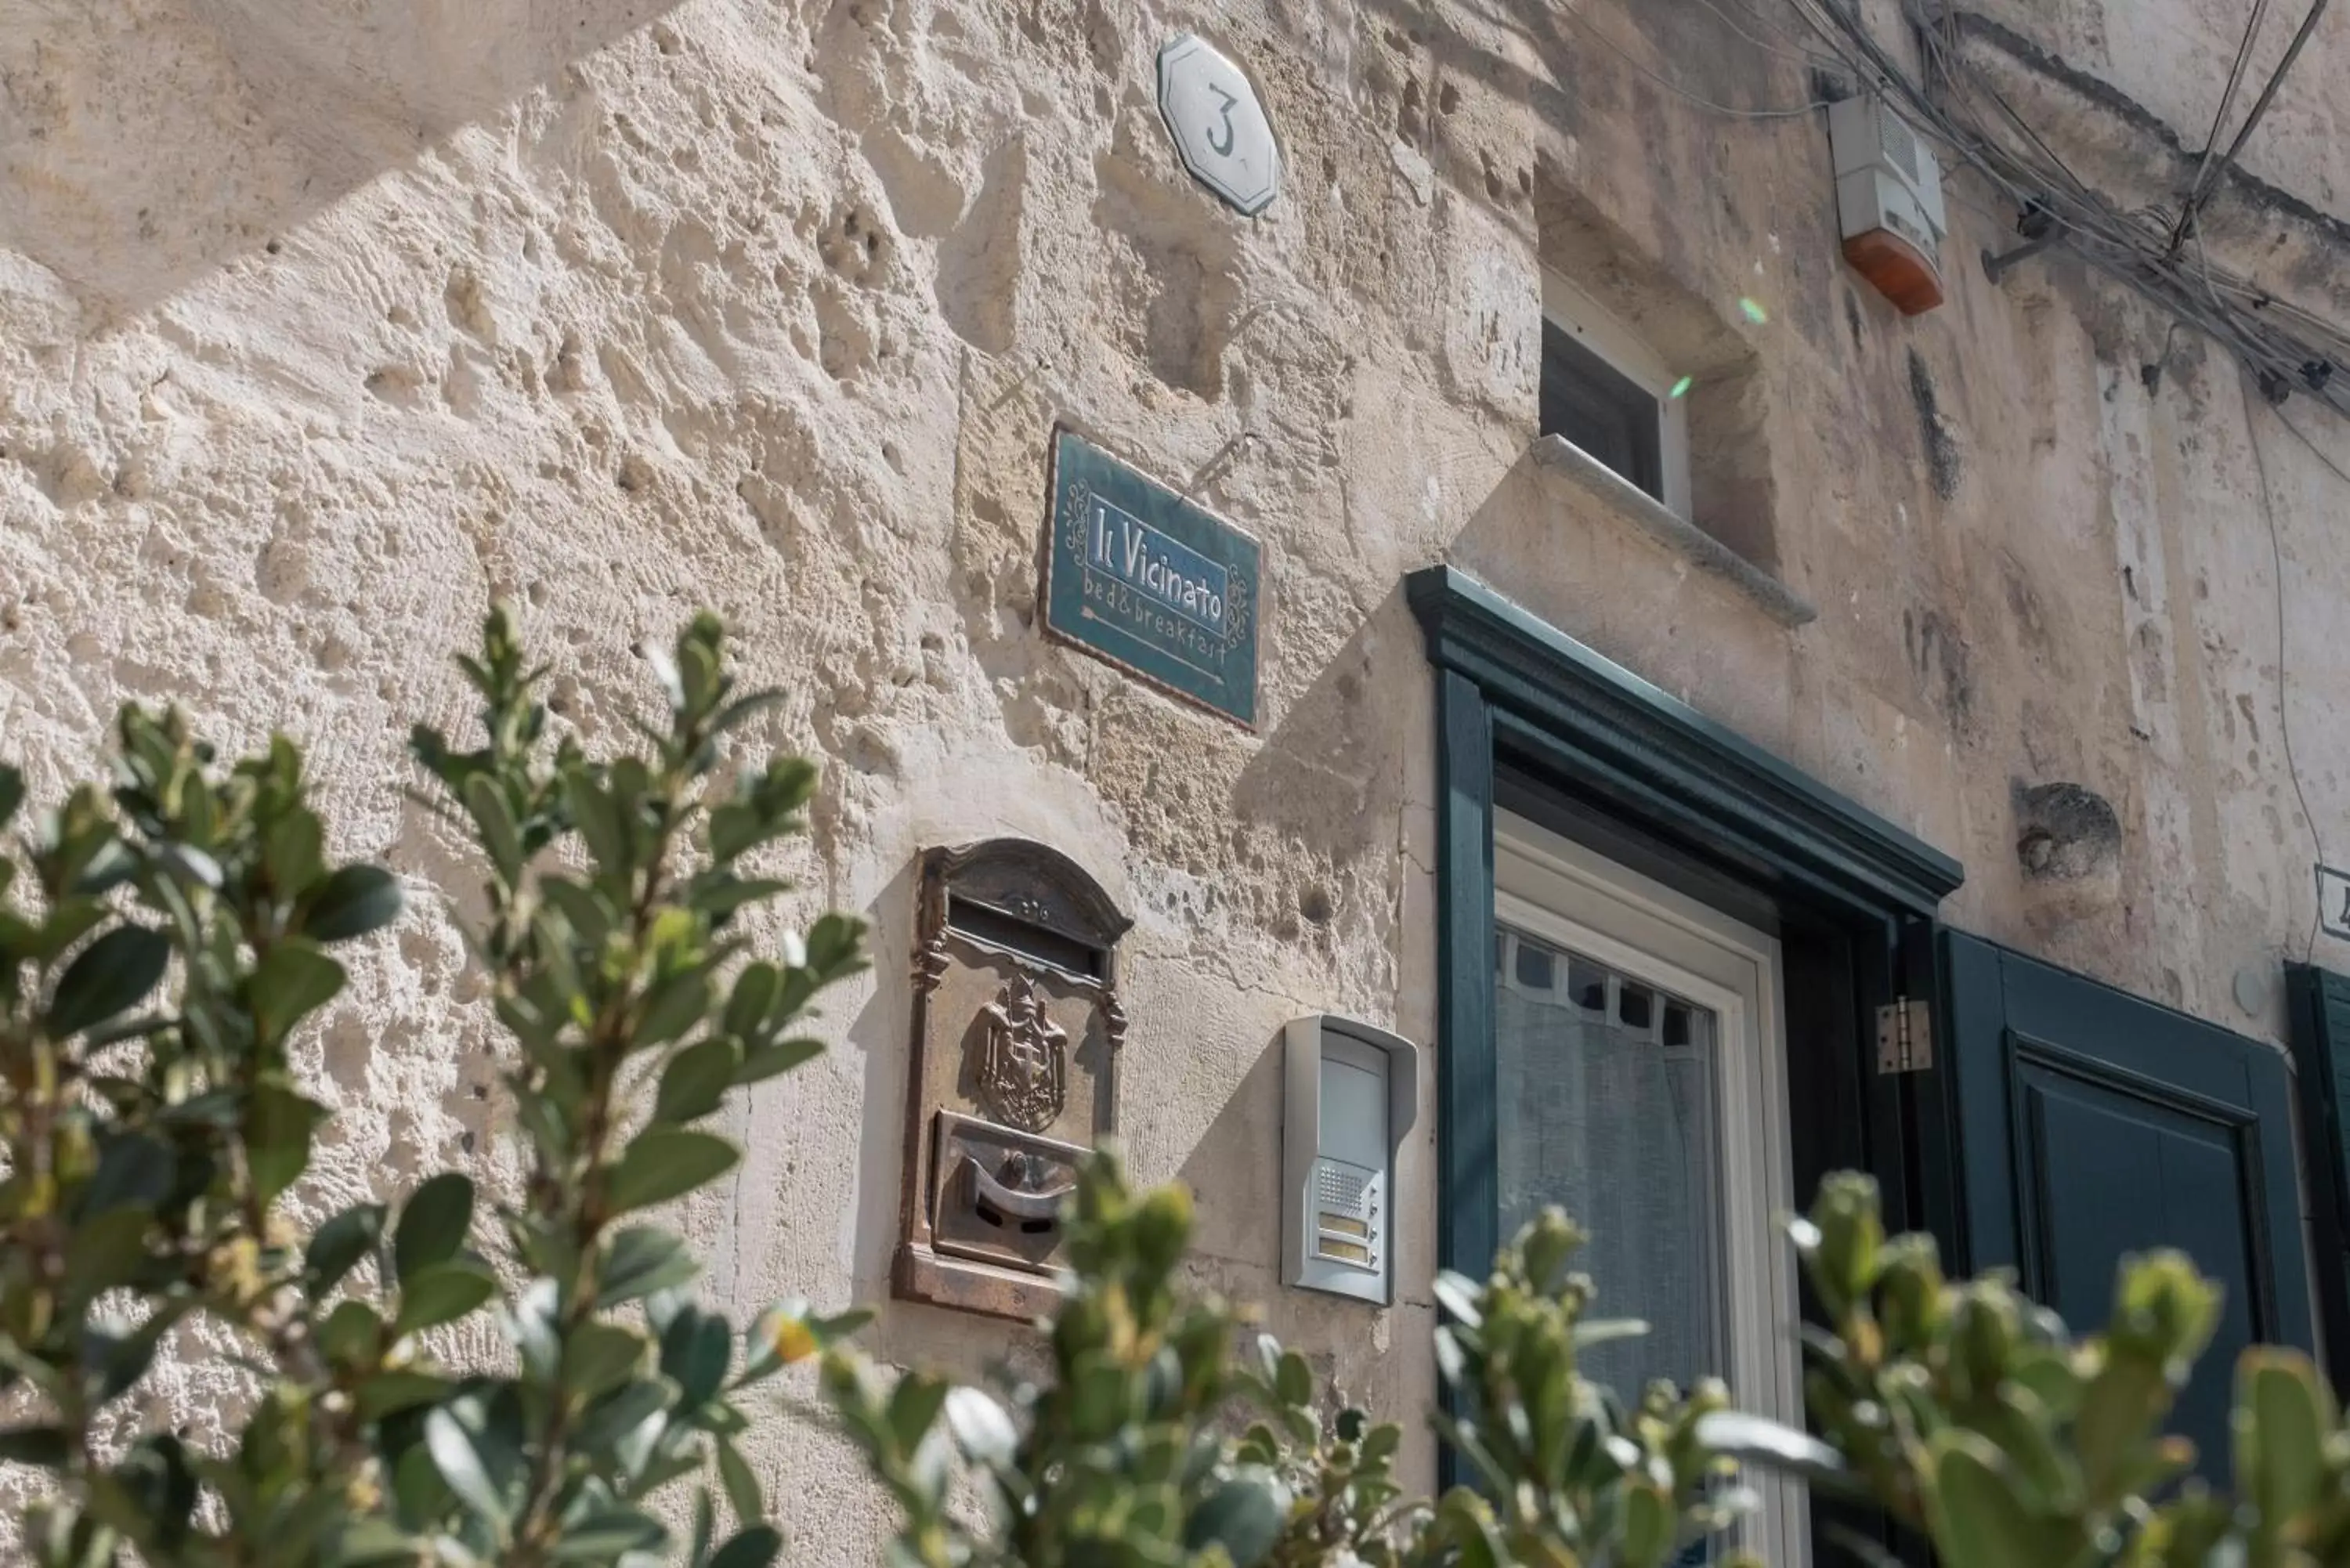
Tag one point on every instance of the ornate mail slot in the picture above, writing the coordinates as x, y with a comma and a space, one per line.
1016, 1032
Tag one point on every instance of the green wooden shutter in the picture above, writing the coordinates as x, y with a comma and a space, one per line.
2092, 1124
2320, 1046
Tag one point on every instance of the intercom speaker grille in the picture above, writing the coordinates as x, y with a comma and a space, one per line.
1346, 1214
1900, 145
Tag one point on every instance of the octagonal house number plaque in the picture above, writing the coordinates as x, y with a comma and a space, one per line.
1016, 1032
1219, 124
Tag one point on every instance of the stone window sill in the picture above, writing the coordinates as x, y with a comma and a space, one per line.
1636, 506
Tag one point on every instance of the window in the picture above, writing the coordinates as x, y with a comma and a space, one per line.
1641, 1086
1611, 396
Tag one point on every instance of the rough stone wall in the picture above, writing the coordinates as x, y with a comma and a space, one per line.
322, 322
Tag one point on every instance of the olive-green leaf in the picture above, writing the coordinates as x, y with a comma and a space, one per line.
623, 1410
695, 1349
601, 825
442, 1292
1650, 1523
107, 979
134, 1172
608, 1536
293, 980
754, 994
756, 1546
1293, 1380
697, 1546
337, 1247
695, 1082
676, 1005
11, 792
105, 1253
352, 902
486, 805
743, 1494
44, 1446
584, 909
735, 827
460, 1464
404, 1389
277, 1127
291, 849
124, 1361
642, 1260
743, 707
369, 1543
663, 1163
350, 1333
600, 1357
2283, 1421
1980, 1522
1244, 1516
914, 1406
778, 1056
835, 942
434, 1223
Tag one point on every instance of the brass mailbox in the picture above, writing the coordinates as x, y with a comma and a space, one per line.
1014, 1070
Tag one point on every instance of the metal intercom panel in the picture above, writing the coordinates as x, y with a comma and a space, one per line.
1352, 1090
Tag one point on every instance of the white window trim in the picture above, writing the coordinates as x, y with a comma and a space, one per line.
1556, 889
1604, 334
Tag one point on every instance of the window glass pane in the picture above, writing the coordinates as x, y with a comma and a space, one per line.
1587, 982
1617, 1124
1601, 411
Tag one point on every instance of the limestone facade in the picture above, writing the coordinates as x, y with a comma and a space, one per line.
323, 322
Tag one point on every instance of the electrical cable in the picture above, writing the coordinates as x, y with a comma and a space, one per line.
2284, 691
1807, 56
1621, 53
2268, 96
2211, 142
2288, 347
2315, 451
1757, 11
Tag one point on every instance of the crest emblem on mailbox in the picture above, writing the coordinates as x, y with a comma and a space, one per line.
1016, 1033
1022, 1074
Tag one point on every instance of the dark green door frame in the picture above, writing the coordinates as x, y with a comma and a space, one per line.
1518, 700
2320, 1004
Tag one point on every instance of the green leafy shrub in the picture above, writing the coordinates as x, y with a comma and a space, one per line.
176, 938
1974, 1417
163, 944
1119, 1458
1962, 1410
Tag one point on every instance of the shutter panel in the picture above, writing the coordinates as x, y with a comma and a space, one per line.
2091, 1123
2320, 1049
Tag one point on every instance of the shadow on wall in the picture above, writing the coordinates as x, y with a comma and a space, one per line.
1234, 1176
141, 146
1589, 70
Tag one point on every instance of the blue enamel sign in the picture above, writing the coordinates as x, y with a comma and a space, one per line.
1150, 582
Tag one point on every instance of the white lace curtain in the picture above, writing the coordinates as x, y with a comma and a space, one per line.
1607, 1110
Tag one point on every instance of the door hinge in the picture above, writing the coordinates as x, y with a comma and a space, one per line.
1905, 1036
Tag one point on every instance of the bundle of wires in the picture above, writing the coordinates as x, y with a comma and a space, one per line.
2158, 254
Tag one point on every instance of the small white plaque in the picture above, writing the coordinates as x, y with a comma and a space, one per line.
2333, 901
1217, 124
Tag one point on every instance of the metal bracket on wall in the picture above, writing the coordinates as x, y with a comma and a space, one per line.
1905, 1036
2038, 228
